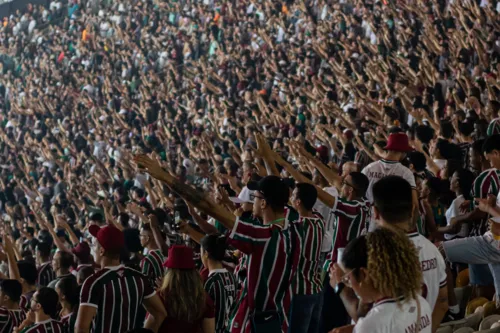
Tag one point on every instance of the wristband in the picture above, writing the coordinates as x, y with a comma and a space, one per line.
339, 287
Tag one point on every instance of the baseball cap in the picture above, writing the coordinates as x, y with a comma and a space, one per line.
110, 238
243, 197
273, 188
82, 250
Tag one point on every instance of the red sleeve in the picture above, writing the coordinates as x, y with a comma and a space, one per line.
210, 308
347, 208
246, 235
204, 274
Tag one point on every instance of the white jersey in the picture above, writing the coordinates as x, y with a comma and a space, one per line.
329, 219
433, 267
383, 168
387, 316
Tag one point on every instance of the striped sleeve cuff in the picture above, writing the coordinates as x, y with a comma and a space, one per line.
150, 295
89, 304
443, 283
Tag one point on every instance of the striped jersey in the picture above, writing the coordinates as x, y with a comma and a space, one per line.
308, 278
433, 267
47, 326
221, 287
45, 274
25, 301
493, 127
351, 218
152, 266
488, 182
10, 319
117, 293
272, 259
69, 322
240, 271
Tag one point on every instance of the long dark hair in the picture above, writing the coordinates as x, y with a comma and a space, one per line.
465, 181
70, 289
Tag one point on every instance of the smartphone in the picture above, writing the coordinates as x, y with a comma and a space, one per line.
177, 217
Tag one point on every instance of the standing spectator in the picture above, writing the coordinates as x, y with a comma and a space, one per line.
305, 313
152, 263
188, 307
266, 296
62, 263
11, 314
221, 284
396, 149
69, 293
40, 319
28, 275
393, 210
46, 272
99, 311
392, 286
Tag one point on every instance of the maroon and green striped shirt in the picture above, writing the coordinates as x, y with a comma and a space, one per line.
488, 182
69, 322
351, 219
10, 319
117, 293
152, 266
312, 230
47, 326
221, 286
272, 260
45, 274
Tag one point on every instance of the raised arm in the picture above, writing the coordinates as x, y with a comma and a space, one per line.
197, 199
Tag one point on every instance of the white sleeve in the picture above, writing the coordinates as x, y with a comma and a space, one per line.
408, 176
365, 170
371, 324
441, 270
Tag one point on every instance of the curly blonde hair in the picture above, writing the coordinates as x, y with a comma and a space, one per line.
393, 264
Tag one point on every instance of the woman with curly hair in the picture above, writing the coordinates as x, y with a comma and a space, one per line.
383, 268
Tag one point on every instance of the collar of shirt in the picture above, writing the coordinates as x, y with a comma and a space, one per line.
219, 270
114, 267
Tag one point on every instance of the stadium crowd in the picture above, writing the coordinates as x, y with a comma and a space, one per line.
302, 166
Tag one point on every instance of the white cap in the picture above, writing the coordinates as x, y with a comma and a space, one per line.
243, 197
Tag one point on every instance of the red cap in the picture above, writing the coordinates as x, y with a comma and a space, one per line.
82, 250
180, 257
110, 238
322, 151
398, 142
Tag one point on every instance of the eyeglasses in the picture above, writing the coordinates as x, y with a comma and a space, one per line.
253, 197
346, 183
345, 279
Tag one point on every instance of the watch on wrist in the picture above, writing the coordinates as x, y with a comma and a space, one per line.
339, 287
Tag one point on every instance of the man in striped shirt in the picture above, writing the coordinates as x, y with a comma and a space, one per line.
272, 248
305, 315
44, 305
152, 263
28, 275
11, 314
111, 298
45, 272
